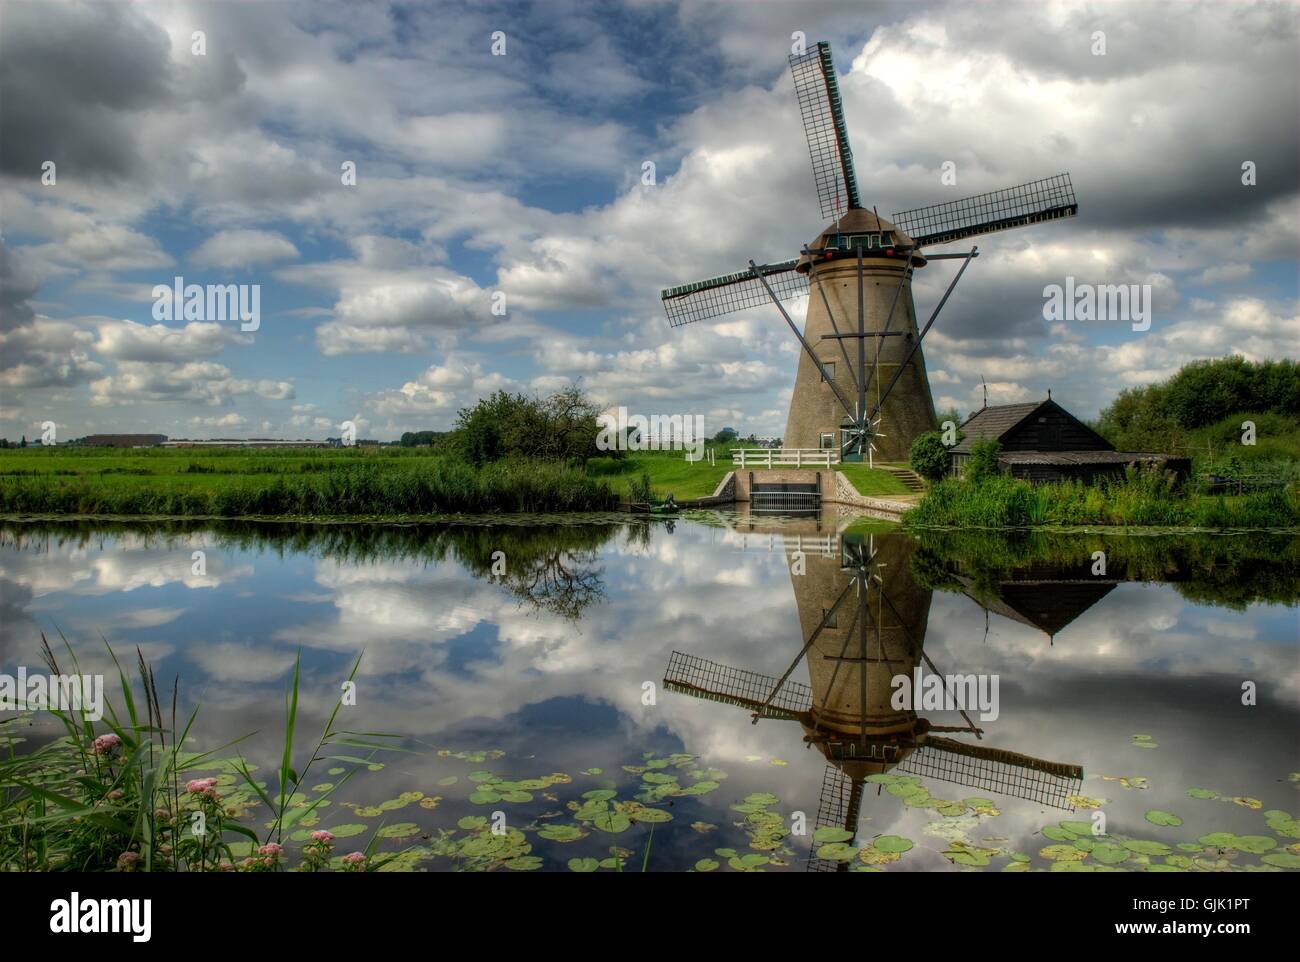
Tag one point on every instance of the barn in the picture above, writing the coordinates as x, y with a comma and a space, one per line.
1041, 441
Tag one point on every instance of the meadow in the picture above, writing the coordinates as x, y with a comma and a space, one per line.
346, 482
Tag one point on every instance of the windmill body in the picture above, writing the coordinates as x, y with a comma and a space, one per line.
861, 389
816, 418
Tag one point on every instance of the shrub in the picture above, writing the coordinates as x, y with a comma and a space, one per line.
983, 461
929, 457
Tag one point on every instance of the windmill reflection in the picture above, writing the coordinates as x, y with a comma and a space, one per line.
863, 616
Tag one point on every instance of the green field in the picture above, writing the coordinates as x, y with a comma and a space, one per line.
277, 482
239, 482
670, 473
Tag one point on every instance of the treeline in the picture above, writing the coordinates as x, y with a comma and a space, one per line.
1167, 416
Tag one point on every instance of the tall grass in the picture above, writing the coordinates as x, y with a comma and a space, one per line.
1142, 498
361, 486
121, 799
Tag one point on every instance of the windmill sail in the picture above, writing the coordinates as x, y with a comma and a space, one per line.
1039, 200
818, 93
838, 806
995, 770
692, 675
732, 292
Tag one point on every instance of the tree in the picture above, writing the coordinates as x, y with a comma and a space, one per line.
560, 427
929, 457
983, 461
725, 435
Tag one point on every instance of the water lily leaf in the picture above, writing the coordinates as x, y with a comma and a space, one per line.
1282, 859
347, 831
612, 822
1058, 834
430, 801
599, 794
892, 843
523, 863
583, 865
482, 777
1251, 803
1143, 847
1157, 817
484, 797
399, 830
837, 851
706, 865
1202, 793
1062, 853
562, 833
703, 827
831, 833
1108, 853
335, 771
592, 771
323, 787
748, 863
658, 778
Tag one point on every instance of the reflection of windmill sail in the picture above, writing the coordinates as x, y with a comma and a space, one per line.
691, 675
995, 770
864, 619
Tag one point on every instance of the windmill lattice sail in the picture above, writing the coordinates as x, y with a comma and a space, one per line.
996, 770
732, 292
1031, 203
711, 680
818, 93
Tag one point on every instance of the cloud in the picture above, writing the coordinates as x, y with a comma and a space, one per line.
243, 248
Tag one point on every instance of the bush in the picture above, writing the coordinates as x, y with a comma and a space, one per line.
561, 427
929, 457
983, 461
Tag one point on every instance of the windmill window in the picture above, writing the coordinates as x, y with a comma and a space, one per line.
829, 619
828, 442
830, 369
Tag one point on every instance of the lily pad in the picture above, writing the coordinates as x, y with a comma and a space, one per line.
892, 843
583, 865
706, 865
1157, 817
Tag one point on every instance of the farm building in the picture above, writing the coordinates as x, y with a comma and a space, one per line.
123, 440
1041, 441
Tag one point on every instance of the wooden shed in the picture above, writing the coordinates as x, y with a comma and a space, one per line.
1041, 441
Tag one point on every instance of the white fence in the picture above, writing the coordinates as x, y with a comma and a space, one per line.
784, 457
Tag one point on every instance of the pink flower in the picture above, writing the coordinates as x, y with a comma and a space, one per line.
202, 786
271, 849
354, 859
106, 744
116, 793
127, 861
322, 836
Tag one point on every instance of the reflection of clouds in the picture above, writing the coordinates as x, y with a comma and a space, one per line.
1138, 630
233, 662
447, 652
132, 562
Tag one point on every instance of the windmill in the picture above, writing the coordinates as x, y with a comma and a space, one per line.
861, 267
864, 617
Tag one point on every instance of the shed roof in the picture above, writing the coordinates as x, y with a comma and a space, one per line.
993, 422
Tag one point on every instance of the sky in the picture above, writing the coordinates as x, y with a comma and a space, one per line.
515, 181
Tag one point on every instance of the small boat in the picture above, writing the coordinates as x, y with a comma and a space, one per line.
666, 506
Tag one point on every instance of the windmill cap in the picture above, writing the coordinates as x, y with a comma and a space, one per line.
859, 220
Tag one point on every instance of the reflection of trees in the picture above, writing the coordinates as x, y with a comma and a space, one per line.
552, 567
1231, 571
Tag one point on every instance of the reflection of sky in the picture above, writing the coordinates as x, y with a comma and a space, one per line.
456, 661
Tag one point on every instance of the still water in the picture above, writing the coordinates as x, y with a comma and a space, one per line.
719, 692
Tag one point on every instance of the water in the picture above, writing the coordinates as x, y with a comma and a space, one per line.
530, 664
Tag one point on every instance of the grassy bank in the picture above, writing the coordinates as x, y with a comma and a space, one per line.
235, 483
1139, 500
670, 473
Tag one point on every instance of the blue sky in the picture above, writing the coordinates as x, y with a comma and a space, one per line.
520, 174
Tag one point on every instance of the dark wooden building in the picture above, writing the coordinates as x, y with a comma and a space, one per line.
1041, 441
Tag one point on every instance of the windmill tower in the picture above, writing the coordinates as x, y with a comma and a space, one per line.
864, 618
861, 386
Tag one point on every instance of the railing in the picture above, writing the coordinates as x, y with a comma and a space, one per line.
784, 457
